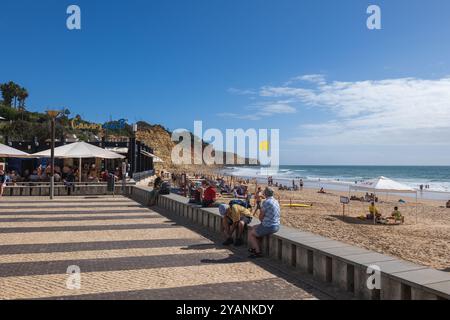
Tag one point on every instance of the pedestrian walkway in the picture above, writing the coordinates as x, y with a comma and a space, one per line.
124, 251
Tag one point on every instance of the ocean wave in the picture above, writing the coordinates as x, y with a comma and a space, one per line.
285, 175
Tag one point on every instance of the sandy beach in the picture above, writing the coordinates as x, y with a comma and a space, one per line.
423, 239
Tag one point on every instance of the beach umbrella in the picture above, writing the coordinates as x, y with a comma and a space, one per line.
8, 152
385, 185
79, 150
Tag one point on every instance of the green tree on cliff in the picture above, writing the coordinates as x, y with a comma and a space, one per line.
12, 94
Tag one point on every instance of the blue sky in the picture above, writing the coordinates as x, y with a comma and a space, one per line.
339, 93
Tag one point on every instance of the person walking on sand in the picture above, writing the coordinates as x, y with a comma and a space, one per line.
258, 199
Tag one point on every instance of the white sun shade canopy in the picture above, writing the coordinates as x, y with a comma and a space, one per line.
156, 159
8, 152
383, 184
79, 150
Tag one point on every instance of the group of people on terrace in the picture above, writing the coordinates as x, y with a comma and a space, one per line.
66, 174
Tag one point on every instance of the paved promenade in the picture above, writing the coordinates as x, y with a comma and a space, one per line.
124, 251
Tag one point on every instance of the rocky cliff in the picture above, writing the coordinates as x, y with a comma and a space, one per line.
160, 139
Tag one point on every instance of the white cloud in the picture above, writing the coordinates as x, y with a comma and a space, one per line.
313, 78
403, 111
241, 92
243, 116
259, 111
275, 108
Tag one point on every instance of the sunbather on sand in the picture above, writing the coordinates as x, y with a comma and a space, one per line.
397, 216
373, 212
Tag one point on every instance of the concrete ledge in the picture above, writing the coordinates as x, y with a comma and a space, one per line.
339, 264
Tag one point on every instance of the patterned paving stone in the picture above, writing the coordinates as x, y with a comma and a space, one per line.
123, 251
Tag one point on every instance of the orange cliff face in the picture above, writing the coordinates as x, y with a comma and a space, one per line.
160, 140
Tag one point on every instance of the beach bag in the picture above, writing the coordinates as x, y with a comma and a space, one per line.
241, 203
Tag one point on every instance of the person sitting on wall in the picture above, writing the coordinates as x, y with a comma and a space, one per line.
209, 196
240, 192
195, 194
270, 223
154, 193
226, 189
235, 218
158, 181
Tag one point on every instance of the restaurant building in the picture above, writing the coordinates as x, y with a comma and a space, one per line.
139, 156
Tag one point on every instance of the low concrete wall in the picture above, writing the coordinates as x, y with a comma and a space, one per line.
138, 176
61, 190
337, 263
